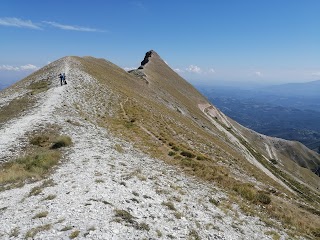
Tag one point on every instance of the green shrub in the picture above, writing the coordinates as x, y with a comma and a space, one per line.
263, 198
62, 141
175, 148
201, 158
274, 161
188, 154
246, 191
172, 153
316, 232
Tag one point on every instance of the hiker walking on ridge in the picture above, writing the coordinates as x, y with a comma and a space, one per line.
61, 78
64, 78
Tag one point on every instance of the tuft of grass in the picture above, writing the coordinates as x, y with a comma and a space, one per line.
124, 215
33, 232
62, 141
66, 228
99, 181
38, 189
171, 153
74, 234
159, 233
41, 215
143, 226
170, 205
50, 197
246, 191
263, 198
14, 232
40, 140
178, 215
273, 234
187, 154
193, 234
118, 148
213, 201
175, 148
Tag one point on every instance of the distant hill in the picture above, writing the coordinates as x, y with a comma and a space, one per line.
306, 90
289, 111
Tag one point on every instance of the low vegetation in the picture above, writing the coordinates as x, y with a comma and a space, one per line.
15, 108
41, 215
39, 86
34, 231
38, 161
62, 141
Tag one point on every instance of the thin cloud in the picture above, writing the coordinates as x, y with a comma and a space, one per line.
178, 70
129, 68
211, 70
27, 67
316, 74
72, 28
194, 69
258, 74
16, 22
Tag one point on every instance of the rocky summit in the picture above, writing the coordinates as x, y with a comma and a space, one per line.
112, 154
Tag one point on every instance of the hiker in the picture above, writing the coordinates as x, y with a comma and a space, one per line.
64, 78
61, 78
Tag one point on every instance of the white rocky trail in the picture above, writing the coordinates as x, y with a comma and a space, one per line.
105, 189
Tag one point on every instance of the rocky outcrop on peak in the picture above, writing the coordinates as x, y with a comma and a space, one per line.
146, 58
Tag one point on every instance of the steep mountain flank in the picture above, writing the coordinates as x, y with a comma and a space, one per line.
150, 158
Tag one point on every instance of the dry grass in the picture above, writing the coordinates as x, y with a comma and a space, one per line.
41, 215
15, 108
33, 232
74, 234
31, 166
37, 162
39, 86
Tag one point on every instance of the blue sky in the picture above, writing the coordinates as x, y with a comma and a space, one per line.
258, 41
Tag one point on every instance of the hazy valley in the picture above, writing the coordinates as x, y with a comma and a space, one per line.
289, 111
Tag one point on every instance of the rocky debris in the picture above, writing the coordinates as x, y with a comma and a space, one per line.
138, 73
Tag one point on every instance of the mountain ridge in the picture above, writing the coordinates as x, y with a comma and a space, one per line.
162, 115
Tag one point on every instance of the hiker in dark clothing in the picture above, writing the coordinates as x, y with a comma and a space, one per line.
64, 78
61, 78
